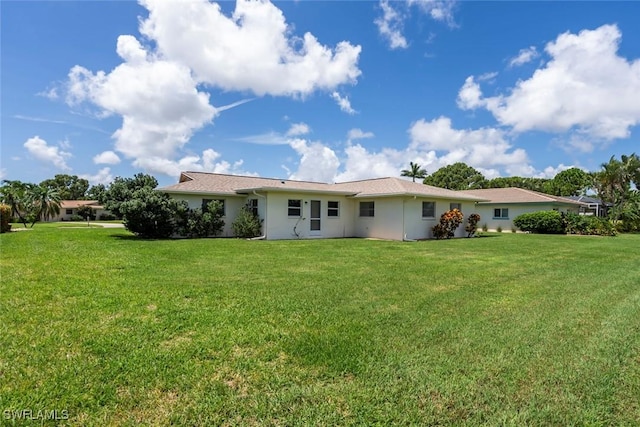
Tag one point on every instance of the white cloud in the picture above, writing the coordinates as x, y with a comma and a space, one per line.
102, 177
586, 88
51, 94
298, 129
39, 149
252, 50
484, 148
343, 103
106, 158
390, 26
524, 56
391, 23
208, 162
356, 133
317, 161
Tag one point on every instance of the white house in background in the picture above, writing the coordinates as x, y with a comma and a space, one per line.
69, 208
502, 205
384, 208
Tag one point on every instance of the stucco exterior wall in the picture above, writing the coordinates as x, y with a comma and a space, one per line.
417, 227
386, 222
280, 225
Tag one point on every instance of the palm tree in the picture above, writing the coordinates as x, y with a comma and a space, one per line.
414, 171
45, 201
14, 194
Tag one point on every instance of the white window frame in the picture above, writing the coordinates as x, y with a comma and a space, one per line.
333, 209
504, 213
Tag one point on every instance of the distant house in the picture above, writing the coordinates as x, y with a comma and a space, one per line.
502, 205
592, 206
384, 208
69, 208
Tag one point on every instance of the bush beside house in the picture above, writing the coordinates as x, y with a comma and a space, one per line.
5, 218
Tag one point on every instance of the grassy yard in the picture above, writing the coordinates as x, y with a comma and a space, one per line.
501, 330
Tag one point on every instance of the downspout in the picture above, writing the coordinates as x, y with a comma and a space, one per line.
264, 234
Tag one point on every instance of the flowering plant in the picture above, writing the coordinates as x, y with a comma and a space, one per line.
449, 222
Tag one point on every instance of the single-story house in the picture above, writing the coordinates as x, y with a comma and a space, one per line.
69, 208
385, 208
502, 205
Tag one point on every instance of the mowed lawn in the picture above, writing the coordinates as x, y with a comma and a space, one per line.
500, 330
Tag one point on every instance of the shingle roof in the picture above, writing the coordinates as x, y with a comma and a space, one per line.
212, 183
518, 195
74, 204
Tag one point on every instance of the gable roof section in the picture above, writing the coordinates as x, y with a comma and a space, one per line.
512, 195
232, 185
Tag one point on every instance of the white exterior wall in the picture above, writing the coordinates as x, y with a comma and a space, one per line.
386, 222
417, 227
486, 214
280, 225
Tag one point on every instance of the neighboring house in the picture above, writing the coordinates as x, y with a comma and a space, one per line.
594, 207
505, 204
385, 208
69, 208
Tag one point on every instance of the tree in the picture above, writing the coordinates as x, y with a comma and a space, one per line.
45, 202
69, 187
97, 192
149, 213
414, 171
570, 182
613, 184
123, 189
14, 193
534, 184
457, 176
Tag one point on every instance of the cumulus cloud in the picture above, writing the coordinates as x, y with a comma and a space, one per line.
157, 89
298, 129
46, 153
103, 176
317, 161
343, 102
356, 133
207, 162
106, 158
586, 88
252, 50
524, 56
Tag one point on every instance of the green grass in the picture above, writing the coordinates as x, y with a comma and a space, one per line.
507, 329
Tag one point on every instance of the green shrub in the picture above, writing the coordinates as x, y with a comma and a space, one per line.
592, 225
107, 217
197, 222
499, 229
76, 217
150, 213
544, 222
246, 224
485, 227
5, 218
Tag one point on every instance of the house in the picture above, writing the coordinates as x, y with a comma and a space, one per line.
69, 209
384, 208
593, 206
505, 204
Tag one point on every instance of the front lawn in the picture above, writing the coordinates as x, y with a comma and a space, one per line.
510, 329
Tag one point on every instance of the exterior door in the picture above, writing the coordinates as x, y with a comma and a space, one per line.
314, 223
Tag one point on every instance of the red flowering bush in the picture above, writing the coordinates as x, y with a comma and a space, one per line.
472, 224
449, 221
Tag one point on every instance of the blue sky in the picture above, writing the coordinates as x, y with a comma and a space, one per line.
315, 90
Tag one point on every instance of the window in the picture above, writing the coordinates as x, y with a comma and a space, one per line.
501, 213
428, 209
206, 202
453, 206
333, 209
294, 208
69, 211
252, 204
367, 208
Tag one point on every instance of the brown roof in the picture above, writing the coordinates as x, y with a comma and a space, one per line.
212, 183
518, 195
74, 204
